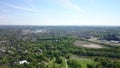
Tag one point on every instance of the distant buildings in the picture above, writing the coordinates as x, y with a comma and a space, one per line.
3, 42
115, 42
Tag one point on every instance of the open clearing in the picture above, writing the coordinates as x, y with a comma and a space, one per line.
84, 61
87, 44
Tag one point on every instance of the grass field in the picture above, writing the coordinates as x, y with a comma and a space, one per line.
84, 62
87, 44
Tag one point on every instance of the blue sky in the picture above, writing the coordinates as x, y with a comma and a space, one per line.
60, 12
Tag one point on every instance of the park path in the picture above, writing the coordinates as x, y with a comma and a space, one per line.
66, 63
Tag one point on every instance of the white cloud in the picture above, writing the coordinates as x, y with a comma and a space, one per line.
68, 4
19, 7
25, 8
22, 8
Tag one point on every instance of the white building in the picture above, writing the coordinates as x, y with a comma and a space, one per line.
23, 61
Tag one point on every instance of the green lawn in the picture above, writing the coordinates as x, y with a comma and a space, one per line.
84, 61
51, 63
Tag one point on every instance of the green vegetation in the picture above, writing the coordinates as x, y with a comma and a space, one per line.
57, 63
82, 61
53, 47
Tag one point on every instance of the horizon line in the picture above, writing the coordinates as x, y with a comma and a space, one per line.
60, 25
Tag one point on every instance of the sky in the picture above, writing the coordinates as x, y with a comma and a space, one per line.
60, 12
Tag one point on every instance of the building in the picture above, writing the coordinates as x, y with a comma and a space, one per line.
23, 61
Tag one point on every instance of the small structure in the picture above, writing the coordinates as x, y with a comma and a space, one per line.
23, 61
3, 42
45, 63
115, 42
39, 51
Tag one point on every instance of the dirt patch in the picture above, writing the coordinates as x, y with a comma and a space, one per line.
87, 44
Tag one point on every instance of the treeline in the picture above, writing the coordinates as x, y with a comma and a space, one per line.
104, 63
